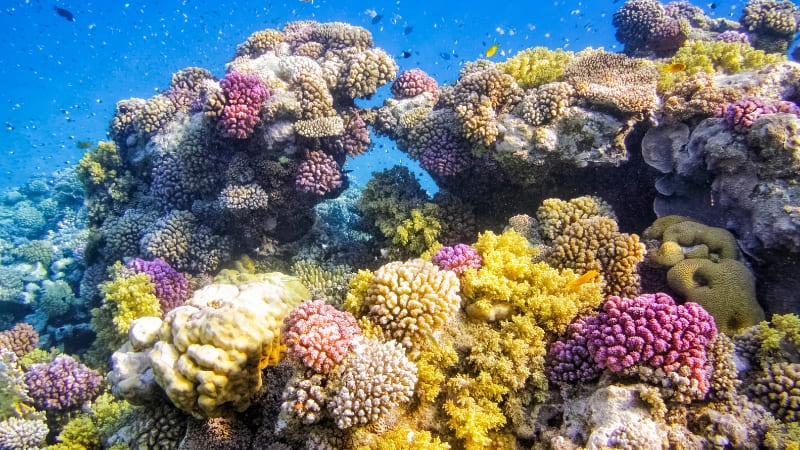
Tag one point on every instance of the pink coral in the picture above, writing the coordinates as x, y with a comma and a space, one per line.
318, 334
319, 174
355, 140
650, 330
742, 114
244, 95
458, 258
414, 82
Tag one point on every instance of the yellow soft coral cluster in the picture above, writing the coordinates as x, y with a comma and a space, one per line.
511, 283
536, 66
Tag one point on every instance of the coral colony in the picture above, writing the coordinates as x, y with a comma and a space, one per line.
611, 234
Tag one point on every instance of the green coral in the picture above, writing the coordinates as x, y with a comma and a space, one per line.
37, 251
713, 57
396, 205
536, 66
90, 430
55, 298
330, 284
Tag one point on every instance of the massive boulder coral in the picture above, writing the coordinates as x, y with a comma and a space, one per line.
207, 355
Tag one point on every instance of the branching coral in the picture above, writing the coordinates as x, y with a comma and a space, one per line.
411, 300
61, 384
20, 340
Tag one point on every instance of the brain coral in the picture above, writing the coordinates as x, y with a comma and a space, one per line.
375, 378
318, 334
412, 299
211, 351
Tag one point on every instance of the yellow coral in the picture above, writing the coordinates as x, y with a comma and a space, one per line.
418, 233
713, 57
471, 416
430, 369
509, 277
410, 300
130, 296
404, 438
536, 66
354, 300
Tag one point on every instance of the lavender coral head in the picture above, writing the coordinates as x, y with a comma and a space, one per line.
414, 82
741, 115
61, 384
244, 95
650, 330
458, 258
319, 174
318, 334
171, 287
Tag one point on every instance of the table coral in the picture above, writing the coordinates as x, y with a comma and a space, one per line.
318, 334
613, 80
410, 300
61, 384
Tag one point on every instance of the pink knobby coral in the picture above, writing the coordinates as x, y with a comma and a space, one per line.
244, 95
319, 174
648, 331
458, 258
741, 115
318, 334
414, 82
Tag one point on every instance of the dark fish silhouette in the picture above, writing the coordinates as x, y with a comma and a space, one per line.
408, 30
405, 54
377, 19
64, 13
444, 56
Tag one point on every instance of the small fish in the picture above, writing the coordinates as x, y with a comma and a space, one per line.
445, 56
674, 67
83, 145
712, 5
492, 50
64, 13
405, 54
585, 278
408, 30
377, 19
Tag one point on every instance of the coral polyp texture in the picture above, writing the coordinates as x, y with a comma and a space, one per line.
318, 334
609, 232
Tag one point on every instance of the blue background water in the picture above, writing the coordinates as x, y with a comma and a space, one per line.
62, 79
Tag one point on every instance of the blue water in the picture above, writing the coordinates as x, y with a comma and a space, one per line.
61, 79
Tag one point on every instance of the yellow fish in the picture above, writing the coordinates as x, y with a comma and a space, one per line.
585, 278
674, 67
492, 50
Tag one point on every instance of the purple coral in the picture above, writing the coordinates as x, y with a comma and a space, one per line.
741, 115
171, 286
244, 95
61, 384
356, 137
414, 82
318, 334
733, 36
458, 258
319, 174
650, 330
445, 158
